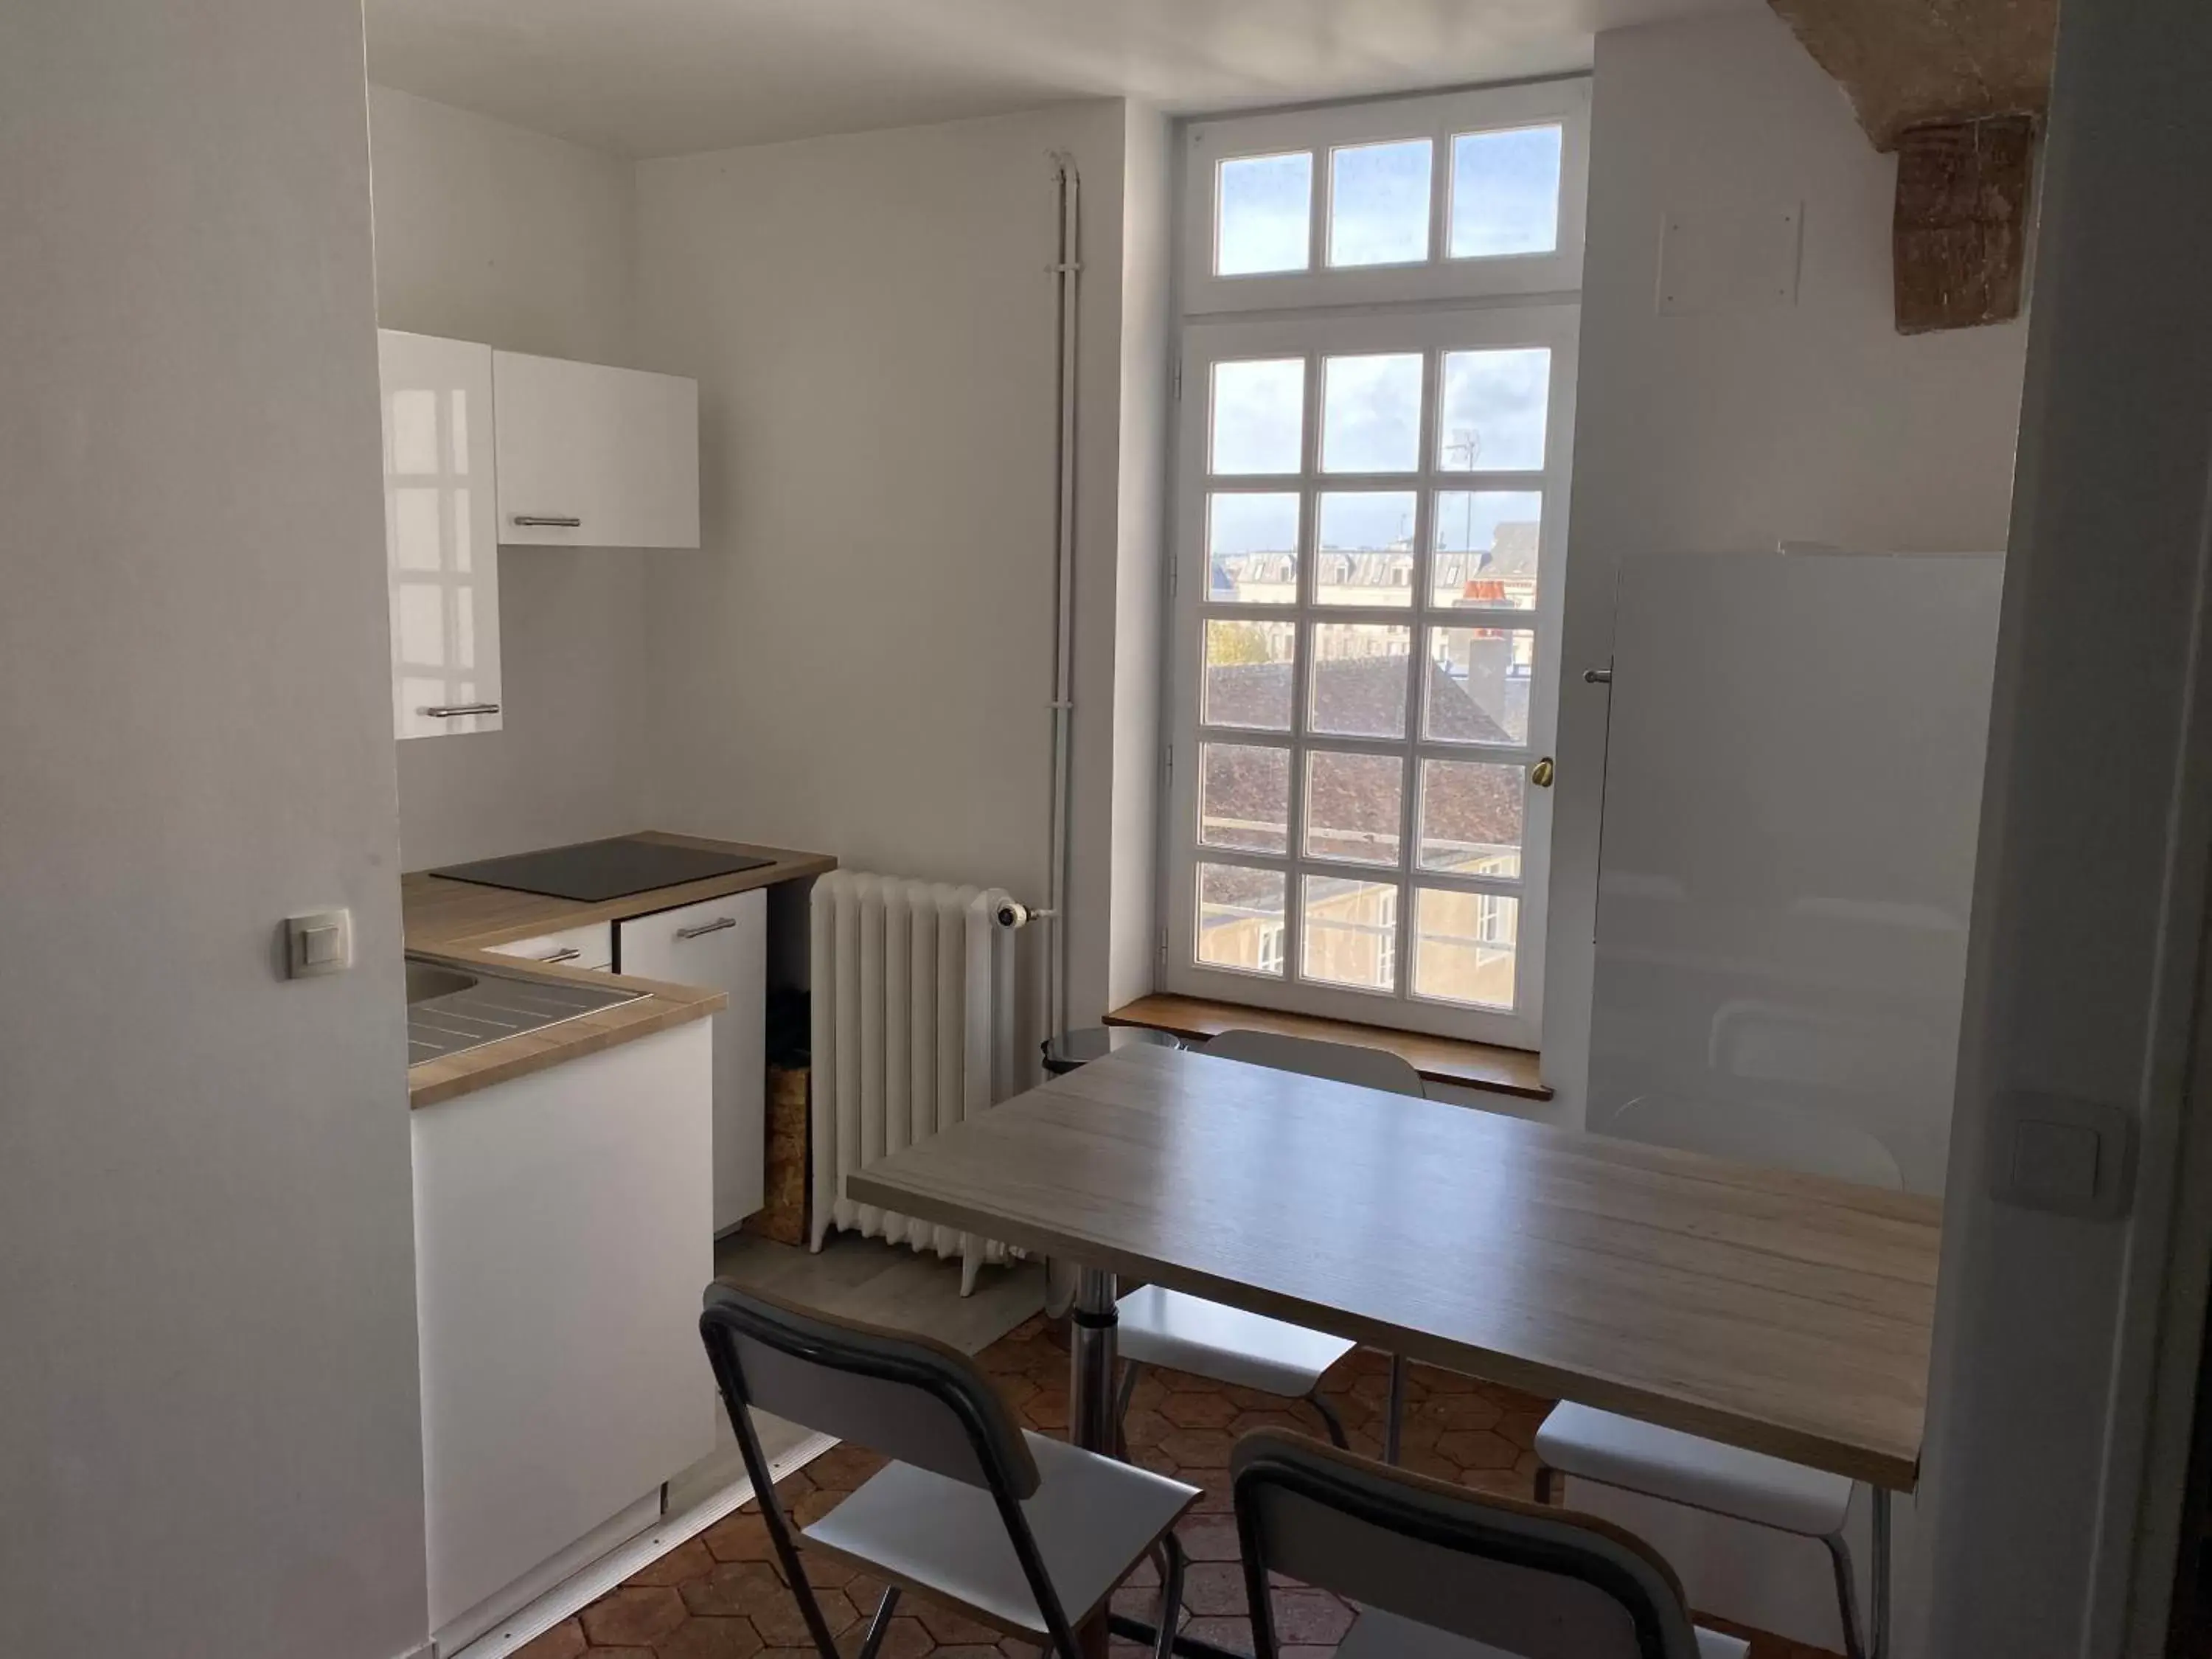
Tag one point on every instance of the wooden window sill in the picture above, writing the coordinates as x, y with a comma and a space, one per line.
1438, 1059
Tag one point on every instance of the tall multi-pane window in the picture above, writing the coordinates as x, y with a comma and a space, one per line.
1376, 422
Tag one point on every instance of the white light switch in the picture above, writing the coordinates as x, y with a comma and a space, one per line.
318, 943
2055, 1164
2069, 1156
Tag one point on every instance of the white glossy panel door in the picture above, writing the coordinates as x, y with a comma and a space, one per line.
440, 534
1792, 797
592, 456
722, 944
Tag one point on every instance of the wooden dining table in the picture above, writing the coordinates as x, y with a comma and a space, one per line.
1783, 1313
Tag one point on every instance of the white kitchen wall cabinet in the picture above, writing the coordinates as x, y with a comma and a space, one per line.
721, 943
590, 455
440, 534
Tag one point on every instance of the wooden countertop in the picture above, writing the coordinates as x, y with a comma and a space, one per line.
1782, 1313
439, 913
434, 1081
458, 921
1440, 1059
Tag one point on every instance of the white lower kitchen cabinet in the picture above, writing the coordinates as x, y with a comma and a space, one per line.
591, 947
563, 1237
722, 945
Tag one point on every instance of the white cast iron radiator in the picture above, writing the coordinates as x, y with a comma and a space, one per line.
913, 1011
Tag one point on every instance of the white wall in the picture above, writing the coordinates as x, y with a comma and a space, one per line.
1732, 430
2085, 978
1148, 205
858, 659
486, 232
1736, 429
210, 1440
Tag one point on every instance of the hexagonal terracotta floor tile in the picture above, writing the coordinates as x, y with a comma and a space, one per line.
722, 1596
633, 1616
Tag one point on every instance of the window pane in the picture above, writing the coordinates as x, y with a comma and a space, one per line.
1471, 814
1365, 550
1371, 418
1265, 204
414, 433
1252, 549
1248, 675
1478, 685
1505, 192
1259, 415
1240, 918
1352, 806
1245, 797
1351, 932
1495, 405
1487, 549
1359, 679
1463, 946
1378, 212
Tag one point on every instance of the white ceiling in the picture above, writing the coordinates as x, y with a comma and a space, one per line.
666, 77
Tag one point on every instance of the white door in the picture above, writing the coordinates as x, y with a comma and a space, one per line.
1370, 521
440, 534
590, 455
722, 944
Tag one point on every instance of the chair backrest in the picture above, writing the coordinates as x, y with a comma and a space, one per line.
1538, 1582
893, 1392
1340, 1062
1775, 1135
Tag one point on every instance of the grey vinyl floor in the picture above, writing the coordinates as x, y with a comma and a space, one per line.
861, 1278
886, 1285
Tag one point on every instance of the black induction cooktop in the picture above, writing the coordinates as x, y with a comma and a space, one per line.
592, 871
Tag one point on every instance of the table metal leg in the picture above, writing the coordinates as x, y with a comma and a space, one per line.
1090, 1394
1093, 1423
1879, 1573
1090, 1357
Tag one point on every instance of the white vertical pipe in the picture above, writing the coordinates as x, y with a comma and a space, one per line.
1068, 269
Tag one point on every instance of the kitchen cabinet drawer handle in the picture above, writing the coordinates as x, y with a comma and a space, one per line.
714, 926
566, 953
540, 521
454, 711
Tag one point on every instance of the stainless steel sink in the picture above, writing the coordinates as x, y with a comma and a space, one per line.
450, 1010
426, 980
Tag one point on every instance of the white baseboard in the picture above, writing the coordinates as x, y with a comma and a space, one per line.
574, 1593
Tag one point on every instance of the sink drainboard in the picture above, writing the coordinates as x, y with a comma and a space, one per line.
495, 1005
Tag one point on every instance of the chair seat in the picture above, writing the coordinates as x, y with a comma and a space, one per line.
1093, 1519
1378, 1635
1683, 1468
1160, 1327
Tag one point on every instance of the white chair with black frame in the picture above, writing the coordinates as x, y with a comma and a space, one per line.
1440, 1572
1028, 1534
1189, 1334
1610, 1450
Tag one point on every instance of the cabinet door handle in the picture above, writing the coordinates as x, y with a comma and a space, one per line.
537, 520
714, 926
454, 711
566, 953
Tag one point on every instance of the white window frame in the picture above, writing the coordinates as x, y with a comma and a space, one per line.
1439, 117
1473, 304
